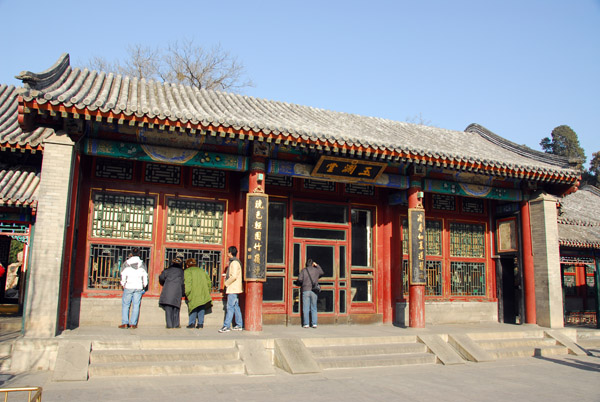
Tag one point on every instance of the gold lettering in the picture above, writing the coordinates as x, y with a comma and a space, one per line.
420, 218
366, 171
258, 204
257, 258
258, 236
257, 246
350, 168
331, 167
258, 225
259, 215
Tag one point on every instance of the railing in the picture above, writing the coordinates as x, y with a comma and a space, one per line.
37, 396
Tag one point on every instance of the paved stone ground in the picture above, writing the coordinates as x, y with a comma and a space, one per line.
565, 378
560, 378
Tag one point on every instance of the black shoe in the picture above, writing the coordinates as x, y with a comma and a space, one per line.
191, 326
200, 326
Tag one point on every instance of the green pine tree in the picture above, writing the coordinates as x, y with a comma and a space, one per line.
564, 142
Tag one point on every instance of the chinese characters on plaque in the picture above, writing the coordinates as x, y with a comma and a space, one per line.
348, 169
416, 251
256, 237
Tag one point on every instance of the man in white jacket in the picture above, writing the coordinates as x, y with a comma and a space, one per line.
134, 278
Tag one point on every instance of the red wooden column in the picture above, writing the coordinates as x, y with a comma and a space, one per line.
528, 270
254, 290
386, 264
416, 305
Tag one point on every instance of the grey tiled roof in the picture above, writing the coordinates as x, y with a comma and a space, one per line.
579, 223
19, 186
84, 91
11, 133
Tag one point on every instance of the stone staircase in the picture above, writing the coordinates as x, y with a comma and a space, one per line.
147, 357
337, 353
10, 329
511, 344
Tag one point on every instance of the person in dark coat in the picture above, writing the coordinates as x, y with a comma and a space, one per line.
172, 280
308, 279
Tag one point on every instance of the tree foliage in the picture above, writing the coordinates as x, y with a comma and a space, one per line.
564, 142
181, 62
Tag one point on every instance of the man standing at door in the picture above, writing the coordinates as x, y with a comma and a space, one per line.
309, 282
233, 284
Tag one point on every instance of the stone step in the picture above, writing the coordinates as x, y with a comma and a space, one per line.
164, 355
5, 362
159, 344
480, 336
368, 349
376, 361
368, 340
516, 342
209, 367
529, 351
589, 343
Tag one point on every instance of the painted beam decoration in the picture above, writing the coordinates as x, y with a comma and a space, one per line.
416, 249
331, 168
472, 190
155, 153
256, 237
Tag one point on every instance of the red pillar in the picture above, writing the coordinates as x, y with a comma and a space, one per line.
528, 270
386, 264
254, 290
416, 303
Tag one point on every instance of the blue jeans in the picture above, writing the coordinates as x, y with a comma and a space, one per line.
233, 307
133, 298
197, 314
309, 306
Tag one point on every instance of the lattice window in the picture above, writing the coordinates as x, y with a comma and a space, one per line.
433, 274
467, 240
281, 181
191, 221
117, 169
167, 174
443, 202
208, 178
209, 260
118, 216
467, 278
360, 189
105, 265
472, 205
319, 185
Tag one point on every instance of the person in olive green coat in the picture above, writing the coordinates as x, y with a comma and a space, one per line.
197, 293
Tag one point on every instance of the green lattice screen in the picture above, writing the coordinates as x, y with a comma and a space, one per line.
433, 273
467, 278
467, 240
190, 221
123, 216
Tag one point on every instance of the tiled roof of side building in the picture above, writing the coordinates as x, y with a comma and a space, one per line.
130, 98
11, 134
19, 186
579, 219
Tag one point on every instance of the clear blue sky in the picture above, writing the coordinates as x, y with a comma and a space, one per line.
517, 67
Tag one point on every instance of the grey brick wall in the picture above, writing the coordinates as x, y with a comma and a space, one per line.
546, 261
43, 290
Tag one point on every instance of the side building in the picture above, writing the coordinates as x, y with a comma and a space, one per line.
411, 224
579, 233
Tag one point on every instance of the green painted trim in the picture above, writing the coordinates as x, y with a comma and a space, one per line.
472, 190
160, 154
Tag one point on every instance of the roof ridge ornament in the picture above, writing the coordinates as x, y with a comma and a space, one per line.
46, 77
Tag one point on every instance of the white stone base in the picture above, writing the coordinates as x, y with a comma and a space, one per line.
107, 312
437, 313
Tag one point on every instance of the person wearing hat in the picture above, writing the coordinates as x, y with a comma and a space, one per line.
172, 281
134, 278
197, 293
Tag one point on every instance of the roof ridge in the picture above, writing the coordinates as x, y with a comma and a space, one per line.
522, 150
40, 80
